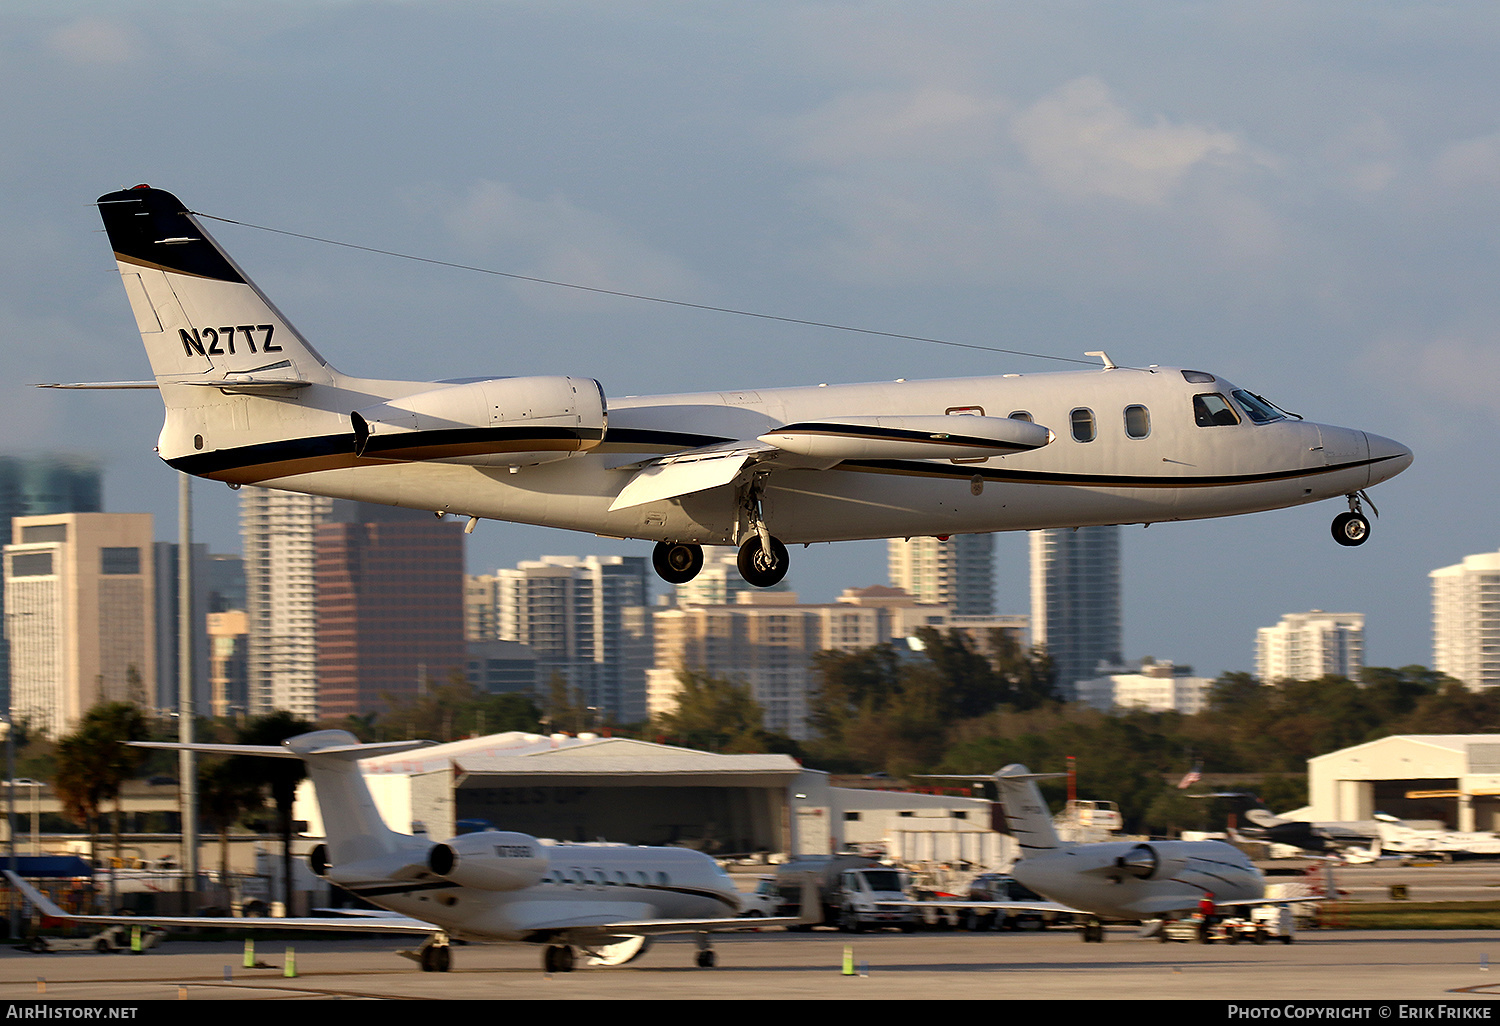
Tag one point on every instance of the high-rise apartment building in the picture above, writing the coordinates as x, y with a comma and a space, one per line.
1075, 601
1466, 620
278, 530
767, 640
958, 572
390, 613
1308, 646
34, 485
586, 619
79, 615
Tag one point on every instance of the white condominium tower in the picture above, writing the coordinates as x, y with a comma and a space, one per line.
1308, 646
278, 530
1466, 620
585, 618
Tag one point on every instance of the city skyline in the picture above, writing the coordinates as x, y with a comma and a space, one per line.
1296, 197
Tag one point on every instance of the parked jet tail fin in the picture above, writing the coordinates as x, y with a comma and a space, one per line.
1026, 816
197, 312
354, 827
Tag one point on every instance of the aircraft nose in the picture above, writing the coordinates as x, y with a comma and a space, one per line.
1387, 458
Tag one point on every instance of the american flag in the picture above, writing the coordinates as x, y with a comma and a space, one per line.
1193, 776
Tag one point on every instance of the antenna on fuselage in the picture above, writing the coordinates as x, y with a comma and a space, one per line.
1108, 363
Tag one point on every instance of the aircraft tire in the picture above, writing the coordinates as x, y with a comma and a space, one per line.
1351, 529
756, 569
677, 562
706, 959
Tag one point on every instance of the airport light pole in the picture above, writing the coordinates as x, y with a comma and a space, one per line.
186, 760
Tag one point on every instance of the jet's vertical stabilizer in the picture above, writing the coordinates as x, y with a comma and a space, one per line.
352, 825
1025, 810
351, 822
197, 311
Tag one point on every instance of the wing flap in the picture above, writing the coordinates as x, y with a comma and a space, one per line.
686, 472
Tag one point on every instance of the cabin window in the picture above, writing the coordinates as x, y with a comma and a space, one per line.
1213, 410
1137, 421
1256, 408
1083, 425
1023, 415
1198, 377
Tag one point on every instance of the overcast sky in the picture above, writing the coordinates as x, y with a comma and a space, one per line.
1300, 197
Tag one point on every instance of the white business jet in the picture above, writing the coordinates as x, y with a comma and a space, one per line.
1131, 880
603, 901
248, 401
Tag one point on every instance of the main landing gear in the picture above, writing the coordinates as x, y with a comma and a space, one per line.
1352, 528
677, 562
763, 559
561, 958
434, 956
557, 958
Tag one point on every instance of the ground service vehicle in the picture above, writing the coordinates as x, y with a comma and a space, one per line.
857, 892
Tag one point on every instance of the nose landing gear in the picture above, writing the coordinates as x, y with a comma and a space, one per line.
1352, 528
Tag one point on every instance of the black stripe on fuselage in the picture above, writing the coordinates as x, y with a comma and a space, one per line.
372, 891
281, 459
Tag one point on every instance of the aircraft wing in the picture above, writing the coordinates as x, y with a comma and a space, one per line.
360, 924
821, 445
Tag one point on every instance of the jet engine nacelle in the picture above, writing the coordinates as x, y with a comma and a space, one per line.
491, 860
1151, 862
494, 422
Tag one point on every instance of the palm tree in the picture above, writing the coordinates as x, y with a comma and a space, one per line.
224, 796
281, 776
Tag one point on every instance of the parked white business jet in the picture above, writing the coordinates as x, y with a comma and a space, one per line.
1130, 880
604, 901
248, 401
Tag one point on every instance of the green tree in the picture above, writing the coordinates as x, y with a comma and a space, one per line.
224, 795
715, 715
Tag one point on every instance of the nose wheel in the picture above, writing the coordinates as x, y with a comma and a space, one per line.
677, 562
1352, 528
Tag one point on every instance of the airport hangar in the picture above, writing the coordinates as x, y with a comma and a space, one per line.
1450, 778
591, 788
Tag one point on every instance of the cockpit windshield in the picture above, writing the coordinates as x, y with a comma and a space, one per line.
1256, 408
